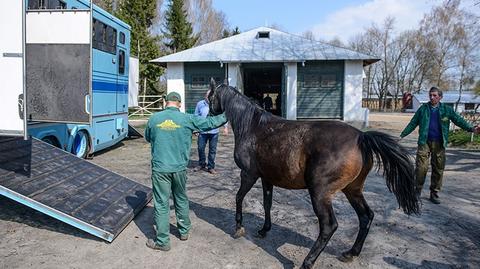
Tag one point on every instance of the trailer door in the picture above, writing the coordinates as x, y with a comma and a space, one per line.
58, 66
11, 69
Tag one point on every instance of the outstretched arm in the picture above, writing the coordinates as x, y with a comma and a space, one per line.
461, 122
411, 125
208, 123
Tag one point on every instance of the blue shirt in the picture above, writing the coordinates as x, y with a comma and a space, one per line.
202, 110
434, 129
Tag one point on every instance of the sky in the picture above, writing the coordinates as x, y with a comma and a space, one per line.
327, 19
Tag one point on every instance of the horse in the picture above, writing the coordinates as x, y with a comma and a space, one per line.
324, 157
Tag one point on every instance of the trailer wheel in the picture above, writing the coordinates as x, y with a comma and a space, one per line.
81, 147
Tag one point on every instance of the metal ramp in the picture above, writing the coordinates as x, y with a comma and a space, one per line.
67, 188
133, 132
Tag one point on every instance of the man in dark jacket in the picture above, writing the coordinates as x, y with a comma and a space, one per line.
433, 120
170, 134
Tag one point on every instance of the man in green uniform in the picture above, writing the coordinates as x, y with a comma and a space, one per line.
433, 119
170, 134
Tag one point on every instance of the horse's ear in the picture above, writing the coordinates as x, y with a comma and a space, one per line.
213, 85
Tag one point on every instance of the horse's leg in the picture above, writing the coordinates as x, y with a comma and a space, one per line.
322, 205
365, 217
353, 192
267, 206
246, 184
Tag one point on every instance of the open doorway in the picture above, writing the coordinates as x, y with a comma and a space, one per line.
263, 84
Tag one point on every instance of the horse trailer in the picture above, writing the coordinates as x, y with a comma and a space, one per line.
64, 67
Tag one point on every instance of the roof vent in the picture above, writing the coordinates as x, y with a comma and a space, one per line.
264, 34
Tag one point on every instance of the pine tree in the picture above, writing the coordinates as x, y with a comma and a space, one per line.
105, 4
178, 31
140, 15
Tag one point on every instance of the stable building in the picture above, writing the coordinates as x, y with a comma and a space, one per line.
304, 79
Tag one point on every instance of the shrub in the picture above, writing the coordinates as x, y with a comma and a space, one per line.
462, 138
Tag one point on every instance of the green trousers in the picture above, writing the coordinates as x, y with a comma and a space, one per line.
436, 153
163, 185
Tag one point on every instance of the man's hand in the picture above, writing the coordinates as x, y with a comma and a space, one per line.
476, 129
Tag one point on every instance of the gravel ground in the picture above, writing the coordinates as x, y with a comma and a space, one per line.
444, 236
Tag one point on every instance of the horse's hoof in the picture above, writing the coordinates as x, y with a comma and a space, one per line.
239, 233
346, 257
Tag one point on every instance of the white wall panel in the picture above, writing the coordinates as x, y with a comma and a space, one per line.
11, 67
353, 110
58, 27
133, 81
291, 91
175, 80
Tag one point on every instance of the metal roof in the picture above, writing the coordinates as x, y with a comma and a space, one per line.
451, 97
278, 47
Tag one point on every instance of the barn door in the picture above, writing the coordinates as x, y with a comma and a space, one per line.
58, 66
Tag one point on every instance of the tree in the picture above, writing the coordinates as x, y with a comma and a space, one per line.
476, 88
440, 35
227, 33
178, 31
140, 15
105, 4
207, 23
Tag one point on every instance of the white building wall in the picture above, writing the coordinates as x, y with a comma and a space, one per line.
175, 82
352, 104
291, 85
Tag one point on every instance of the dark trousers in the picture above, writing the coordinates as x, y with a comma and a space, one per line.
436, 153
212, 140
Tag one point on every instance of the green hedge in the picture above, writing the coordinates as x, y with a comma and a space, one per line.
462, 138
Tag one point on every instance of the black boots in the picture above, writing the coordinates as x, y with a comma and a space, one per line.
434, 197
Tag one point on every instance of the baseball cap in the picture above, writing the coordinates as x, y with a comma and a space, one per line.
173, 96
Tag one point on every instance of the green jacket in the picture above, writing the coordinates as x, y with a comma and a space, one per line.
422, 119
170, 134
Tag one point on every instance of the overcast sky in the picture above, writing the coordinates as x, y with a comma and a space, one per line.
328, 18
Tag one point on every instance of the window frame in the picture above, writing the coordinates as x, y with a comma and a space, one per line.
102, 38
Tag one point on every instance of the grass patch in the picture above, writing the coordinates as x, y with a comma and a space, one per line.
461, 138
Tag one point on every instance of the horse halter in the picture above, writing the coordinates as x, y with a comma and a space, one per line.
211, 101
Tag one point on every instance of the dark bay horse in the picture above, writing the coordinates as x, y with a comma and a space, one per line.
322, 156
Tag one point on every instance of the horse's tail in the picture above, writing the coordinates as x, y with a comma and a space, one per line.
397, 167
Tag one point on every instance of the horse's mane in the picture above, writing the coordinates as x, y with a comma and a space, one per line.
244, 115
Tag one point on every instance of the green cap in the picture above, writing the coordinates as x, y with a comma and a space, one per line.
173, 96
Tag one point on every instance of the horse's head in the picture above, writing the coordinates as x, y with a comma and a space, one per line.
214, 101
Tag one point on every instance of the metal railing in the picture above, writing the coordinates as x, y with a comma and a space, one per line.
147, 105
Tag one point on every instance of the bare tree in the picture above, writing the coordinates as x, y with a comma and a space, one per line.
207, 23
308, 35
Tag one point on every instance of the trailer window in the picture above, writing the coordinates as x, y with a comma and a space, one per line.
122, 38
121, 62
104, 37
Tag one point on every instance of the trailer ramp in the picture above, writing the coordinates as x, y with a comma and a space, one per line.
133, 132
68, 188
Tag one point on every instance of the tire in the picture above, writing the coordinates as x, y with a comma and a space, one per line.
80, 147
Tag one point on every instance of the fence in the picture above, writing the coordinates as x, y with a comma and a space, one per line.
373, 104
147, 105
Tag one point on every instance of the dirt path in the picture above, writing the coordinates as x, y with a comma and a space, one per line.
444, 236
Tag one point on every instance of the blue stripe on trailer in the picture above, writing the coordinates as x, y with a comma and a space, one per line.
100, 86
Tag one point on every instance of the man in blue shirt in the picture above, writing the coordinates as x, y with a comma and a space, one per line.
211, 137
